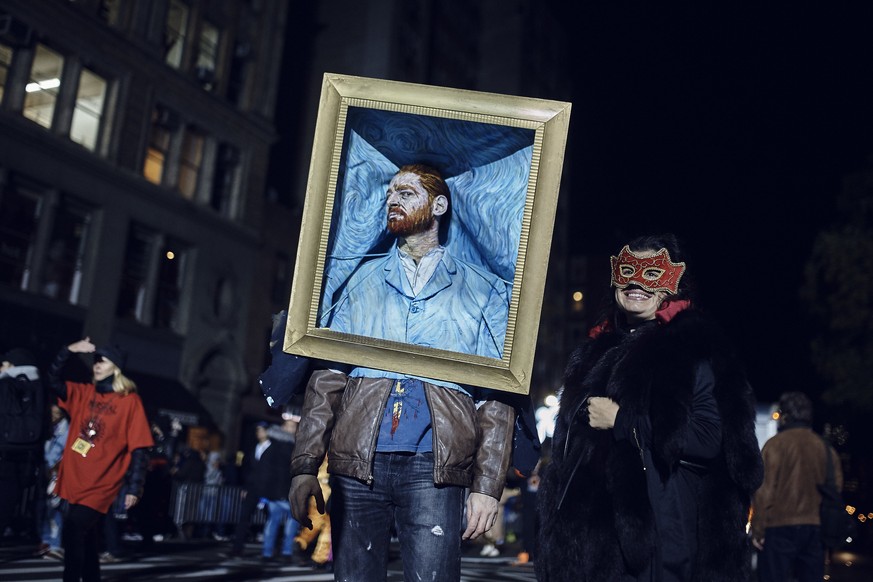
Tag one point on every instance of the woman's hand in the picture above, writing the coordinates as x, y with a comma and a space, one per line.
82, 346
602, 412
130, 501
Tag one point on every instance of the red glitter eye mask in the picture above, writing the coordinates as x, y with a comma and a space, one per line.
654, 273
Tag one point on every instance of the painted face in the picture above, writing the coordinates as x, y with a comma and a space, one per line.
408, 205
103, 368
652, 271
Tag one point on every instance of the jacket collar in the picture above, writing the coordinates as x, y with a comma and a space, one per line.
441, 278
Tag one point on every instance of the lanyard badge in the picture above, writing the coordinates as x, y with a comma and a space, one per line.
82, 446
85, 441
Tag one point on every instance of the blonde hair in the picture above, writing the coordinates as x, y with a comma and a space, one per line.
122, 384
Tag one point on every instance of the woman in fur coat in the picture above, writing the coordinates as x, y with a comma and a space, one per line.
654, 457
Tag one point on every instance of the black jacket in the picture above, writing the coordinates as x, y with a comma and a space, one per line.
673, 480
270, 476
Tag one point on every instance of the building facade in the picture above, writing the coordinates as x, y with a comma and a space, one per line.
134, 148
142, 198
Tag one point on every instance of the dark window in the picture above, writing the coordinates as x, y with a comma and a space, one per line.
133, 292
239, 67
64, 264
171, 273
152, 279
109, 11
282, 279
20, 209
224, 178
5, 63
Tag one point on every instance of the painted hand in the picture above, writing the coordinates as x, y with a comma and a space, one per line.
481, 515
130, 501
302, 488
602, 412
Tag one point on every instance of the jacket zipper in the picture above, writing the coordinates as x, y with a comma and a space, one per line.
376, 432
433, 429
637, 440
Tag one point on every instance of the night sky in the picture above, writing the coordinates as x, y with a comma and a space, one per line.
733, 129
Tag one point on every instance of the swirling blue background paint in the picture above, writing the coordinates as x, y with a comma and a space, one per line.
486, 166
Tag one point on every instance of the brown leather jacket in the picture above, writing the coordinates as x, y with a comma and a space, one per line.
471, 445
794, 465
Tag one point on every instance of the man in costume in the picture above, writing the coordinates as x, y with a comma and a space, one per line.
403, 447
654, 454
785, 524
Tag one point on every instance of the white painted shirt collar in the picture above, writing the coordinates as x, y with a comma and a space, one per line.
417, 275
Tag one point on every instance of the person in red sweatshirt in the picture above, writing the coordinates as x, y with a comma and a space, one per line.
108, 438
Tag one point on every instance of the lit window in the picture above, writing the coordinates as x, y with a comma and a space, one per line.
190, 161
164, 123
5, 63
177, 28
207, 55
20, 209
90, 100
64, 263
43, 85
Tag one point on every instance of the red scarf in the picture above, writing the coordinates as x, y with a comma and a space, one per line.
667, 311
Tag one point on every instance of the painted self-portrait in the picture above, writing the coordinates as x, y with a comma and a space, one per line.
454, 188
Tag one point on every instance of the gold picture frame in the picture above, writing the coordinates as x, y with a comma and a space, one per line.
503, 156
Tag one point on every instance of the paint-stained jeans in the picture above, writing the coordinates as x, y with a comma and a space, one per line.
428, 521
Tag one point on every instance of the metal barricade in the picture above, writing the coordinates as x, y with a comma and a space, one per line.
196, 503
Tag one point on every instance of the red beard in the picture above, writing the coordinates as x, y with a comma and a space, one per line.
408, 224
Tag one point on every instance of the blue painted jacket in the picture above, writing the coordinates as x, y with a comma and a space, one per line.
462, 308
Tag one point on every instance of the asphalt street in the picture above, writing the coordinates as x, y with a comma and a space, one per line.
208, 560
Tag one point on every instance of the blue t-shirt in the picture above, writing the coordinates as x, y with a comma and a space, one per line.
406, 425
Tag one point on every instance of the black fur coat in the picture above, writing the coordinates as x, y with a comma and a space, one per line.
597, 520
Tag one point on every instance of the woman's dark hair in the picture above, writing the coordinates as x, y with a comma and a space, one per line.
795, 407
